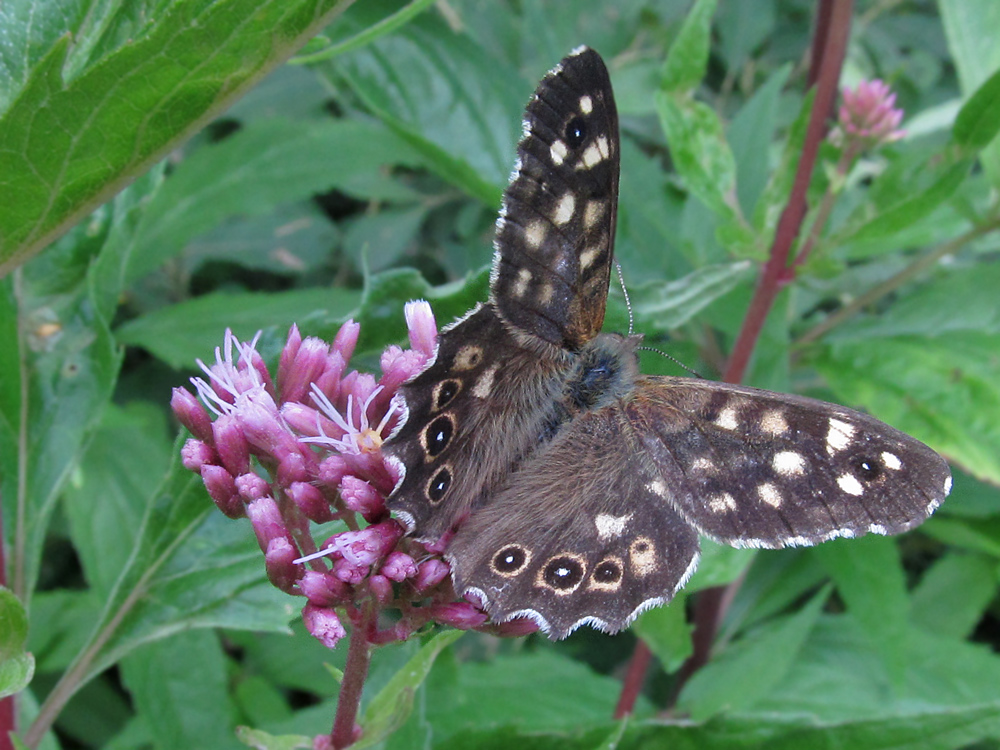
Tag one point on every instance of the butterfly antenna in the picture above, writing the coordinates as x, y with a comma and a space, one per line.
672, 359
628, 302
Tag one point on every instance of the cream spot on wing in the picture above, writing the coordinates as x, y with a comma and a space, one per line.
838, 436
593, 212
468, 357
658, 487
849, 484
769, 494
586, 104
642, 556
484, 383
773, 423
722, 503
702, 464
611, 527
558, 152
587, 257
564, 210
789, 463
545, 294
947, 484
534, 234
521, 284
591, 157
727, 419
891, 461
602, 147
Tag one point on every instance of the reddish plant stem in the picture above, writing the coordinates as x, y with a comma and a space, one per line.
8, 708
833, 24
355, 673
832, 32
634, 677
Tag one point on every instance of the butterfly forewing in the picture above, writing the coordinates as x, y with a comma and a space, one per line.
762, 469
556, 229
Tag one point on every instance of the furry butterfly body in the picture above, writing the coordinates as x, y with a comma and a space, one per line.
575, 487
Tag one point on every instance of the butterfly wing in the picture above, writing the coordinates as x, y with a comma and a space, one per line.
556, 229
481, 405
577, 535
760, 469
490, 396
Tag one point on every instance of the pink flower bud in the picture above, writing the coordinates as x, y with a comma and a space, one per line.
196, 454
430, 573
222, 489
267, 521
282, 572
332, 470
461, 615
311, 502
350, 572
422, 327
191, 414
288, 354
231, 444
346, 339
324, 589
323, 624
398, 566
251, 486
361, 497
309, 365
381, 588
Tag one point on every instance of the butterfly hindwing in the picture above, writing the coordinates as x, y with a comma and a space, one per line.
594, 546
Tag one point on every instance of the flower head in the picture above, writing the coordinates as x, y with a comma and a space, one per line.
868, 115
306, 446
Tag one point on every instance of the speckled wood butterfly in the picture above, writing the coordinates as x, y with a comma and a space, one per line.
576, 487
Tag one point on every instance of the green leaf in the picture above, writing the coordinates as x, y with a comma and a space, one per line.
929, 310
16, 665
953, 595
158, 677
979, 119
69, 143
890, 220
698, 147
667, 633
719, 565
944, 391
391, 707
688, 57
181, 333
667, 306
970, 27
261, 740
267, 163
869, 578
747, 671
447, 98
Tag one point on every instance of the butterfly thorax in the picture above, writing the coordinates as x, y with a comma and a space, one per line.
604, 370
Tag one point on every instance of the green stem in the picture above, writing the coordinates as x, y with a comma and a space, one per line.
891, 284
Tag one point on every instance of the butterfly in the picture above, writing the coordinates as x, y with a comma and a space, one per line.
572, 487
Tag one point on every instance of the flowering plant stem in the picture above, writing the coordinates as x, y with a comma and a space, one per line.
355, 674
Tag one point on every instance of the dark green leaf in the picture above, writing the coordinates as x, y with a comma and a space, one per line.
979, 119
954, 594
69, 144
747, 671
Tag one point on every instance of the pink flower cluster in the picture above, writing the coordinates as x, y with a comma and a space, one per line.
306, 446
868, 115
